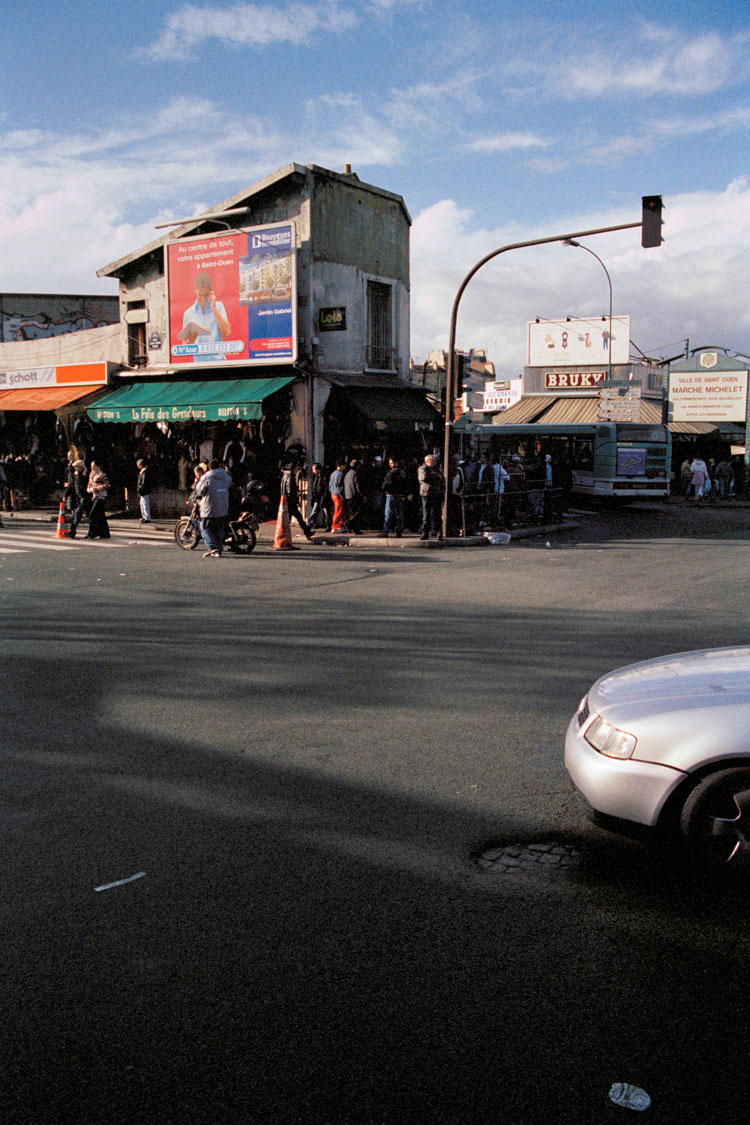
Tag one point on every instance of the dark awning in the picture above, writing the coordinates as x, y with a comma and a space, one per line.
392, 409
187, 401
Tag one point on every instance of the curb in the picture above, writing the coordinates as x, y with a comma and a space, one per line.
370, 542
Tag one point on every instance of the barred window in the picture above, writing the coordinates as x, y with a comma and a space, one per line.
379, 326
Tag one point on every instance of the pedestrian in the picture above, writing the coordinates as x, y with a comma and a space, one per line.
213, 492
503, 479
183, 472
724, 479
69, 495
336, 490
455, 497
686, 474
291, 492
353, 497
318, 496
515, 490
699, 469
394, 489
145, 484
234, 459
83, 499
486, 481
4, 490
98, 487
431, 489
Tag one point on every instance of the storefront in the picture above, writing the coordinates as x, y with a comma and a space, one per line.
387, 420
245, 422
41, 410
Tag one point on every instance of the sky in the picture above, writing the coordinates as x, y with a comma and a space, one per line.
497, 122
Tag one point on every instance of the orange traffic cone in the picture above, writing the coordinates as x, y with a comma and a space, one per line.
61, 532
283, 540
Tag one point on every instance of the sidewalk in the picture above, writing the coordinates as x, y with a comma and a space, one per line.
163, 529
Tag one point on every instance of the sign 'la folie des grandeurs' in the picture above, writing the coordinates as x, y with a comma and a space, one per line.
232, 297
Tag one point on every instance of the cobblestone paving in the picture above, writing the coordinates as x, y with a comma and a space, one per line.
527, 857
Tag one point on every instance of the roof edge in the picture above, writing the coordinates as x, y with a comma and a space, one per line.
285, 173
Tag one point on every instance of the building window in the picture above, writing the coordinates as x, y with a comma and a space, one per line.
379, 346
137, 354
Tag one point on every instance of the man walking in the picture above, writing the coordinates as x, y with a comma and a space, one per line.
318, 494
290, 490
353, 497
336, 490
431, 488
213, 492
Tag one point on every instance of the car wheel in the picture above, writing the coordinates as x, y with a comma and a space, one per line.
715, 819
186, 534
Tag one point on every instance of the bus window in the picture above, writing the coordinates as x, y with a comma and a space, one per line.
631, 431
583, 454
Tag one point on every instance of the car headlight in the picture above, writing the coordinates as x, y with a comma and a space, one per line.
608, 740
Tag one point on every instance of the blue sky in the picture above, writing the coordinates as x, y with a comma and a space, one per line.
497, 122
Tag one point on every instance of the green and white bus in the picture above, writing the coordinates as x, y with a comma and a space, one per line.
608, 459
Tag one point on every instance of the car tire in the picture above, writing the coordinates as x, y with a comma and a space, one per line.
715, 820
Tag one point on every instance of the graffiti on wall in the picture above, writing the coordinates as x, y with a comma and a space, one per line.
34, 317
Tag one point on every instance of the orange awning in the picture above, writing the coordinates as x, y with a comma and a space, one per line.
43, 398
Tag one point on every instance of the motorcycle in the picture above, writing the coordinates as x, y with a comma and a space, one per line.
242, 532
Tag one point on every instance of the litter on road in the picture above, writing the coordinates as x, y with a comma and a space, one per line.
631, 1097
120, 882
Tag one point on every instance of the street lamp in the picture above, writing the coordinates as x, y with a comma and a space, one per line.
208, 217
572, 242
454, 322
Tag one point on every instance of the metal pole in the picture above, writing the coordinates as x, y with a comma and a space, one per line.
452, 336
572, 242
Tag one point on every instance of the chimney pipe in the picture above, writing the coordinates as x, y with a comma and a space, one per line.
347, 169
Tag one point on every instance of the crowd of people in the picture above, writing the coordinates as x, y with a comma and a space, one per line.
395, 494
702, 479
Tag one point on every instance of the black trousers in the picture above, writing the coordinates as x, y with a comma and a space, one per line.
98, 526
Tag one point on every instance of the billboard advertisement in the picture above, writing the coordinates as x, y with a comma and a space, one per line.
232, 297
578, 343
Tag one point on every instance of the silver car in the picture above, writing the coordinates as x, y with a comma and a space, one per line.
665, 744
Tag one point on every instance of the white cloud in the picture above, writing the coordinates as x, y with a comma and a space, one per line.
70, 204
506, 142
694, 286
661, 61
246, 25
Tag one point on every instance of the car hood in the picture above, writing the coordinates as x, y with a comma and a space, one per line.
682, 681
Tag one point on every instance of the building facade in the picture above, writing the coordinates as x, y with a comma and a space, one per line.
310, 268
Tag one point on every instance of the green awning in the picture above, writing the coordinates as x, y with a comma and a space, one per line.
187, 401
393, 409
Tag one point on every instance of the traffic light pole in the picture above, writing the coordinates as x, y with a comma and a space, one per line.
449, 378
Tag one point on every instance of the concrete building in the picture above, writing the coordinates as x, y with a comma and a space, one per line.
328, 279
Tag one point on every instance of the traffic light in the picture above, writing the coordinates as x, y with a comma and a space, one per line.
651, 221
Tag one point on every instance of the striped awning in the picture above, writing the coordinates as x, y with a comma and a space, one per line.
572, 410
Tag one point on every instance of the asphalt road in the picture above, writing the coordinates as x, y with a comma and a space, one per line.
302, 756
